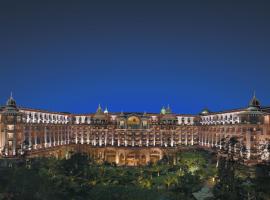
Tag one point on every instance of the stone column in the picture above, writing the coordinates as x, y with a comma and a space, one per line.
212, 139
208, 137
105, 138
220, 138
125, 140
205, 137
154, 139
216, 138
147, 138
88, 136
35, 137
65, 133
172, 140
186, 137
50, 135
192, 137
6, 141
76, 134
248, 142
58, 135
29, 137
61, 134
23, 135
179, 137
82, 134
95, 139
132, 140
100, 138
54, 135
118, 139
45, 136
117, 157
68, 134
161, 139
113, 141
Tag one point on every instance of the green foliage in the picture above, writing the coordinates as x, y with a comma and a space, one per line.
238, 182
124, 193
193, 160
81, 178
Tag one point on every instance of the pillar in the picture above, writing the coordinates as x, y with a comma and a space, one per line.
54, 136
35, 138
248, 142
29, 137
88, 136
45, 136
172, 139
192, 137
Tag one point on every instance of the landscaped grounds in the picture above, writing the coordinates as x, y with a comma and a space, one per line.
189, 175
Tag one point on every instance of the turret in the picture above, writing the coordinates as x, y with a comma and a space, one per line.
168, 109
11, 143
254, 103
106, 110
99, 109
163, 110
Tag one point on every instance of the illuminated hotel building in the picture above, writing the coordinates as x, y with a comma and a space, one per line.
132, 138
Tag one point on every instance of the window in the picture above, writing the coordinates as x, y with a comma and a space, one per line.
10, 135
144, 123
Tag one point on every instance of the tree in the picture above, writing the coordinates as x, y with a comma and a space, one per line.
169, 180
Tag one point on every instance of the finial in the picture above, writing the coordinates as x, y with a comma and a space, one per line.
99, 109
163, 110
254, 93
11, 96
106, 110
168, 109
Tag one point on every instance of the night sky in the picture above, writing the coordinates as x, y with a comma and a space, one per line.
134, 55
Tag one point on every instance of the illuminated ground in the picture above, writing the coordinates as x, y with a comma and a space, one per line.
194, 175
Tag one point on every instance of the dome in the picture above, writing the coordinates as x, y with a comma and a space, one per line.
168, 110
205, 111
11, 107
254, 102
99, 109
106, 111
11, 102
122, 114
163, 110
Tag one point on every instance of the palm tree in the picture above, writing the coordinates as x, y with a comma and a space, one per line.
157, 168
145, 183
169, 181
180, 172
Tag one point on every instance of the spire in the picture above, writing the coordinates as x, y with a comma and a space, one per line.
168, 109
163, 110
254, 102
11, 102
122, 113
99, 109
106, 110
205, 111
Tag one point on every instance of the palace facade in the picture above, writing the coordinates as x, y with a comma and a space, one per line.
135, 138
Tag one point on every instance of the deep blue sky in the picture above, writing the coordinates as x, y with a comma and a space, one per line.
134, 55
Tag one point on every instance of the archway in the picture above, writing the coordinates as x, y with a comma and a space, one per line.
121, 159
